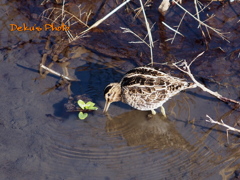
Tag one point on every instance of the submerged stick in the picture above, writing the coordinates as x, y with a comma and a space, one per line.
56, 73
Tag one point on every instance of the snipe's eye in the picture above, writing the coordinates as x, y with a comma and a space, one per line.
109, 94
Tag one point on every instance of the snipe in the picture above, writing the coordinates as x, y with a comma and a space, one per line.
145, 88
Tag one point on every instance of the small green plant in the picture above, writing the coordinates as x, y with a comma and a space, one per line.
85, 106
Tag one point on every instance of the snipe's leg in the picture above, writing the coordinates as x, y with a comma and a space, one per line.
153, 112
163, 111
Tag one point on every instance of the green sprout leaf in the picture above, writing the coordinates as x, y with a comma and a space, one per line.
82, 104
90, 106
82, 115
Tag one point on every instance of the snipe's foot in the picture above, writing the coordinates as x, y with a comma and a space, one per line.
153, 112
163, 111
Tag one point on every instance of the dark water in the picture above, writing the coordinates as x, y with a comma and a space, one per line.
40, 140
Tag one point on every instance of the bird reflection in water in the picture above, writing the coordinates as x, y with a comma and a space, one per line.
151, 133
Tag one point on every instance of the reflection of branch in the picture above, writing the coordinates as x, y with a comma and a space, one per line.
222, 124
184, 67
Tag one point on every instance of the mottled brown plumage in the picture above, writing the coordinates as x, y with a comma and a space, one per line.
145, 88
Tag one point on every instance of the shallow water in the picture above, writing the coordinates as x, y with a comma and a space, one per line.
40, 140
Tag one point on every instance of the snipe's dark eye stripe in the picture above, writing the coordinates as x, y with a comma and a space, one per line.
107, 89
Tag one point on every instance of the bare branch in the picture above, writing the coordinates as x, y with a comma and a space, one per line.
63, 10
104, 18
202, 23
222, 124
57, 74
178, 27
149, 32
150, 44
172, 29
127, 30
184, 67
197, 13
139, 10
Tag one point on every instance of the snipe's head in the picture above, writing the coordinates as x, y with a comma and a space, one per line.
112, 93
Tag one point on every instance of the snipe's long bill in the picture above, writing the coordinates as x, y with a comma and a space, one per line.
145, 88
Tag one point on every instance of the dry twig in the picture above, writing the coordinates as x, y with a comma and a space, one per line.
149, 32
176, 31
184, 67
127, 30
178, 27
63, 16
104, 18
222, 124
217, 31
139, 10
58, 74
150, 44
